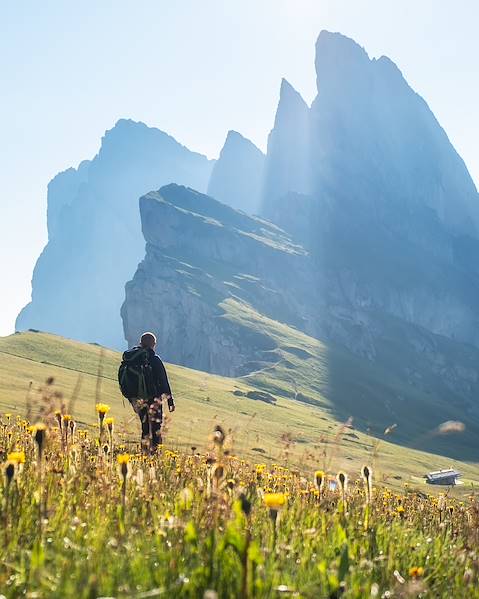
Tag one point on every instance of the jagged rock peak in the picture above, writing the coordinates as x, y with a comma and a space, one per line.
290, 101
233, 138
287, 166
237, 176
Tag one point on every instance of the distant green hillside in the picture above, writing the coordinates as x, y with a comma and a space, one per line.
346, 385
303, 433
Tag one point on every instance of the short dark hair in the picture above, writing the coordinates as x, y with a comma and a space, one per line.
148, 340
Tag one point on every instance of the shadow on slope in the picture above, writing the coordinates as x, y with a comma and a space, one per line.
373, 393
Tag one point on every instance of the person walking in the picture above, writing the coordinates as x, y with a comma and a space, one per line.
144, 382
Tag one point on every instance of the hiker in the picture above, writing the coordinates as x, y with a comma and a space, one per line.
143, 381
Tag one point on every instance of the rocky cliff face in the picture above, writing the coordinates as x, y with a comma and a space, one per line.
389, 207
237, 176
199, 254
288, 162
95, 240
375, 248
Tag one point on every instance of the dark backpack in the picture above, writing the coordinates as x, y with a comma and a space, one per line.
135, 374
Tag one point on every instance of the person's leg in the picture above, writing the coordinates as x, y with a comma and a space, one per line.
141, 408
155, 417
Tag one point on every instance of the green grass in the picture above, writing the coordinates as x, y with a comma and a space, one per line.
302, 435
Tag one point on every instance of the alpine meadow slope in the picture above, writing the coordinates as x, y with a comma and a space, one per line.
263, 427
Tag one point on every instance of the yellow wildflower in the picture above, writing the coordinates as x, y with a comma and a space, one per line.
416, 571
274, 501
102, 409
17, 457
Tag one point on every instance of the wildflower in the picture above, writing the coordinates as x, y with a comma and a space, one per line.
319, 480
66, 418
218, 472
400, 510
342, 479
367, 475
109, 423
219, 436
102, 409
16, 457
123, 460
58, 416
416, 572
39, 434
274, 501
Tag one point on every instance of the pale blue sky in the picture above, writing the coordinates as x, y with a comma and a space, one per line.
194, 68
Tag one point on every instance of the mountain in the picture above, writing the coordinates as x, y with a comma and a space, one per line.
391, 212
199, 253
237, 175
234, 295
367, 253
288, 164
94, 235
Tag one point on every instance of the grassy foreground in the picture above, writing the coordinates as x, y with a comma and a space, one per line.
81, 518
233, 505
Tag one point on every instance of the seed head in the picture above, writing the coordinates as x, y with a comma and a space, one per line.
319, 480
219, 436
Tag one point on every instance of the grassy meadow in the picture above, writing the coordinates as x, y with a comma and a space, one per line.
246, 498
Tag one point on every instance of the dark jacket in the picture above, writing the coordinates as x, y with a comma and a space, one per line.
160, 378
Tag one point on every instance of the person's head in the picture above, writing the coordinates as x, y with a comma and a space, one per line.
148, 341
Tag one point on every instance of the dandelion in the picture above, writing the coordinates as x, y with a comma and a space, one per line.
102, 409
342, 479
416, 572
367, 476
123, 460
58, 416
16, 457
219, 436
319, 479
39, 434
109, 424
274, 501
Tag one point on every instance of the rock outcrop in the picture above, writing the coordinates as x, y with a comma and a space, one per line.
288, 162
95, 240
390, 207
199, 254
237, 176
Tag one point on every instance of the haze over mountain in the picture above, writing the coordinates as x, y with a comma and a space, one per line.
237, 176
376, 253
359, 280
95, 240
